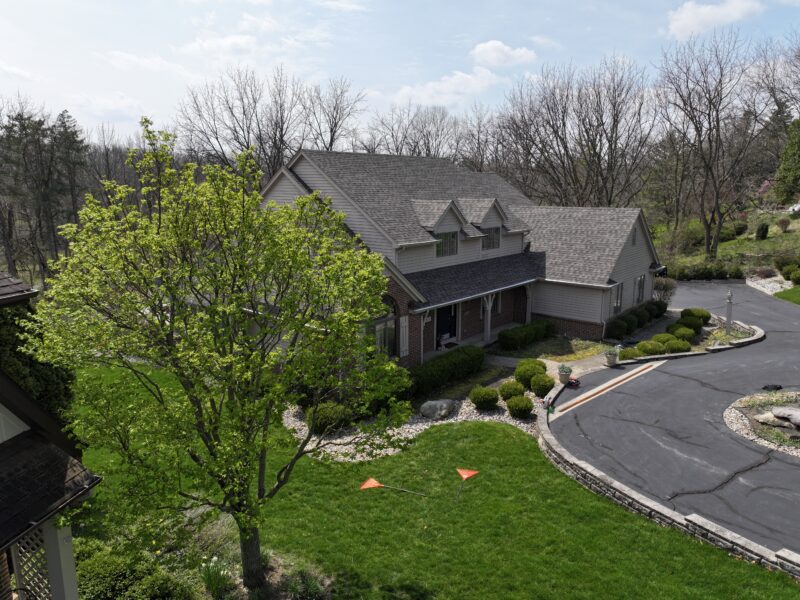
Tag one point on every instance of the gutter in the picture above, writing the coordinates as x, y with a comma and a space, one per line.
423, 309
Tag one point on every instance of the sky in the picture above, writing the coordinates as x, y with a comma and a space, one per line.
112, 61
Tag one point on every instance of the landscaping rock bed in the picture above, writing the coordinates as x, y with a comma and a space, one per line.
753, 418
769, 285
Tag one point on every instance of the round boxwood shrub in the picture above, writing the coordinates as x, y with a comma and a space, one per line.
652, 310
161, 586
631, 322
509, 389
661, 305
691, 322
519, 407
629, 354
109, 576
527, 368
682, 333
651, 348
677, 346
663, 338
616, 329
642, 316
700, 313
483, 398
542, 384
329, 416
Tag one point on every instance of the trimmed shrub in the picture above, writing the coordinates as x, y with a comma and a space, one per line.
483, 398
762, 231
509, 389
628, 354
783, 224
787, 271
735, 272
681, 332
616, 329
456, 364
161, 586
652, 310
675, 346
519, 407
542, 384
663, 338
642, 316
650, 348
695, 323
661, 305
631, 322
328, 417
109, 576
719, 271
516, 338
700, 313
528, 368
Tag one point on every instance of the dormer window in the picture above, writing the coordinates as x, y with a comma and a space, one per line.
491, 239
446, 243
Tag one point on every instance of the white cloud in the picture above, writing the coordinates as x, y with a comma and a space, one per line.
110, 108
547, 42
153, 62
495, 53
342, 5
14, 72
693, 18
265, 23
213, 44
456, 89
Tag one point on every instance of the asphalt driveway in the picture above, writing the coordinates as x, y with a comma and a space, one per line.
663, 433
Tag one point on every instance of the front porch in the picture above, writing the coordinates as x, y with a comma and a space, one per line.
476, 340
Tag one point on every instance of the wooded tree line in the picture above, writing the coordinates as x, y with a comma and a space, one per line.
698, 137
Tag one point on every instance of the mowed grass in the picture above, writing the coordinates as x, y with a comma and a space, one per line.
559, 347
792, 294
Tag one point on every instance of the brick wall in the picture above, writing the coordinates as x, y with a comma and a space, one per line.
403, 302
580, 329
520, 304
471, 322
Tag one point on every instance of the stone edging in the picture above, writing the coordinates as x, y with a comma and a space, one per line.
699, 527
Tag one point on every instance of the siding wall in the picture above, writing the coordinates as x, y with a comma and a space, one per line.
283, 191
570, 302
10, 424
422, 258
633, 261
448, 222
492, 219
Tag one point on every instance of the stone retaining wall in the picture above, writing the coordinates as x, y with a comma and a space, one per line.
695, 525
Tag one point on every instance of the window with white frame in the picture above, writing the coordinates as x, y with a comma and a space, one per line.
618, 299
386, 329
640, 289
446, 243
491, 238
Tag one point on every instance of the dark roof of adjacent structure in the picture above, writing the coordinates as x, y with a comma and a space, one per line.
465, 281
582, 244
385, 186
12, 290
37, 480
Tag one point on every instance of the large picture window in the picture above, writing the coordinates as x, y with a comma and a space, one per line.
491, 239
447, 243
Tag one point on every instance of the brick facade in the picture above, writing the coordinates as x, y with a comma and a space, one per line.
403, 302
580, 329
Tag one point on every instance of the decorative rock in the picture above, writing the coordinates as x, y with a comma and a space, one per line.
437, 409
789, 413
768, 418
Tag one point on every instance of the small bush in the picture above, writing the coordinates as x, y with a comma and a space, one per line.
795, 277
783, 224
700, 313
762, 231
161, 586
217, 578
527, 368
483, 398
631, 322
785, 258
661, 305
695, 323
454, 365
675, 346
542, 384
516, 338
642, 316
787, 271
509, 389
519, 407
719, 271
652, 310
328, 417
735, 272
629, 354
740, 228
616, 329
681, 332
650, 348
109, 576
663, 338
764, 272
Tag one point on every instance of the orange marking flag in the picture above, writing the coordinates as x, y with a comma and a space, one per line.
371, 483
466, 473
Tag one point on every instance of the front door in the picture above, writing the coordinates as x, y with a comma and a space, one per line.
446, 322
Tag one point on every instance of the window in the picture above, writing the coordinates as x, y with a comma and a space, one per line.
633, 240
640, 289
386, 329
618, 299
491, 240
447, 243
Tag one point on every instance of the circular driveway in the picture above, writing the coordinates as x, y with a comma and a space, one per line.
663, 433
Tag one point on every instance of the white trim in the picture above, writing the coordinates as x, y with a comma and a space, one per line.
467, 298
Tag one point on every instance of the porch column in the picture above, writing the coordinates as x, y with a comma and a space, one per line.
488, 301
529, 305
60, 561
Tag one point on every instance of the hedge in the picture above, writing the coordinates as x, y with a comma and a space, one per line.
454, 365
484, 398
675, 346
329, 416
681, 332
695, 323
635, 318
542, 384
663, 338
519, 407
706, 271
516, 338
629, 353
700, 313
616, 329
651, 348
631, 321
509, 389
642, 316
528, 368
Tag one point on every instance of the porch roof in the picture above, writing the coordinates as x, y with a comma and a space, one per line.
37, 480
448, 285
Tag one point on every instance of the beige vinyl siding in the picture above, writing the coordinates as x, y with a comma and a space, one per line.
568, 301
375, 239
283, 190
633, 261
448, 222
411, 259
10, 424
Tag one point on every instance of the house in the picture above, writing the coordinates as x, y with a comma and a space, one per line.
468, 254
40, 477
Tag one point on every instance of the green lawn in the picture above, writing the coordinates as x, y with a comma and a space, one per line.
559, 347
792, 294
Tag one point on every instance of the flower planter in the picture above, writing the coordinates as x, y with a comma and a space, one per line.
611, 360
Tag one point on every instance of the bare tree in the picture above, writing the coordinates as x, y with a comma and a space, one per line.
479, 148
394, 128
330, 112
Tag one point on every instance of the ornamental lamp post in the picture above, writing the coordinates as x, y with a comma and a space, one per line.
729, 313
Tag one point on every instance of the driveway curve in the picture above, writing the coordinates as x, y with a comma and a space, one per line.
663, 433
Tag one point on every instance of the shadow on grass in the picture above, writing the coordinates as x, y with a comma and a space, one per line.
350, 585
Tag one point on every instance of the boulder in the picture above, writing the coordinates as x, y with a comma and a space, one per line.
768, 418
788, 413
437, 409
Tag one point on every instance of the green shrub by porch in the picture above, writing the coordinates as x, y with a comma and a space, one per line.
675, 346
663, 338
328, 417
681, 332
700, 313
542, 384
631, 322
616, 329
527, 368
651, 348
484, 398
629, 354
446, 368
510, 389
642, 316
519, 407
516, 338
695, 323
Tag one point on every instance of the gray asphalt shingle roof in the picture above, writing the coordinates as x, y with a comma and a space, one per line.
582, 244
13, 290
384, 186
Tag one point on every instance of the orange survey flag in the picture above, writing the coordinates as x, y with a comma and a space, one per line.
371, 483
466, 473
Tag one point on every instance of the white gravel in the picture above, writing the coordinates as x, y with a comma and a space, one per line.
770, 285
740, 424
345, 446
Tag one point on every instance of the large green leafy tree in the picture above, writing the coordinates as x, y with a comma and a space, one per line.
787, 179
191, 280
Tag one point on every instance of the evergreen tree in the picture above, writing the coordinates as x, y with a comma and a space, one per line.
787, 179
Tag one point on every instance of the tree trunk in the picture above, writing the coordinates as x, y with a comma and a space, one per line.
252, 569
